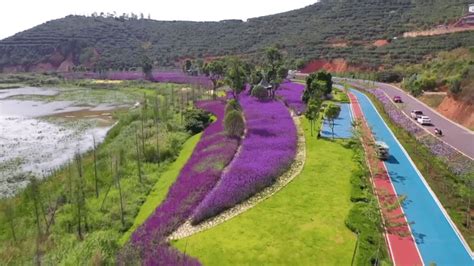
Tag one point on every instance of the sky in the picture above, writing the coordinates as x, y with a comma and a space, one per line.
20, 15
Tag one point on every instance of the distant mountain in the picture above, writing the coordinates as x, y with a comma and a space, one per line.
355, 30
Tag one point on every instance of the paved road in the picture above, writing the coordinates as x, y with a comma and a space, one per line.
436, 236
456, 135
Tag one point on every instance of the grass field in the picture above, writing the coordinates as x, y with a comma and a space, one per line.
160, 190
303, 224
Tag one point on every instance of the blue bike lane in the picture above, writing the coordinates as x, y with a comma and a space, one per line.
436, 237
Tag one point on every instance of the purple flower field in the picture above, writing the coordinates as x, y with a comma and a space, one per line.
291, 93
267, 150
163, 77
200, 174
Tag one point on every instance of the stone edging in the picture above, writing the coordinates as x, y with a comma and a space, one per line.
295, 169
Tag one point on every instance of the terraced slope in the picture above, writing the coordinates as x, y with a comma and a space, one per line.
327, 29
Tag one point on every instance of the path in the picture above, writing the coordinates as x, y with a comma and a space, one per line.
402, 247
436, 236
342, 125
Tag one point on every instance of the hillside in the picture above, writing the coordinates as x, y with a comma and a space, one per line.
328, 29
448, 82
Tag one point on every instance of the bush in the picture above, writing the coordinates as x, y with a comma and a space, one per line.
196, 120
234, 124
232, 105
260, 93
389, 77
455, 85
427, 82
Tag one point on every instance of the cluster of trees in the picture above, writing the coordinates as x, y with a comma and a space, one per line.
417, 84
263, 81
122, 17
318, 88
453, 70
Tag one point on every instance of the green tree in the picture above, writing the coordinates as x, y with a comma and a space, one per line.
312, 112
276, 71
325, 83
232, 104
413, 85
332, 113
146, 60
315, 90
235, 77
234, 124
260, 93
196, 120
215, 71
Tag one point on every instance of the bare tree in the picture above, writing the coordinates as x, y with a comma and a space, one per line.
117, 182
139, 165
95, 169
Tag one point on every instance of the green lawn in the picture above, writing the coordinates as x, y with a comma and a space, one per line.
303, 224
160, 190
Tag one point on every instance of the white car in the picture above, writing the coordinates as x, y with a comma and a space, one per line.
424, 120
415, 114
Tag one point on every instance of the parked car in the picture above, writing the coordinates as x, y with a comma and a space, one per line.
415, 114
382, 150
424, 120
397, 99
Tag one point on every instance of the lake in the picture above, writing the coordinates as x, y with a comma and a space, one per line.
41, 130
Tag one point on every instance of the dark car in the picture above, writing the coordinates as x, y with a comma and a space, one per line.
397, 99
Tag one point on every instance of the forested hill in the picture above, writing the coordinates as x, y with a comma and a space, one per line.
327, 29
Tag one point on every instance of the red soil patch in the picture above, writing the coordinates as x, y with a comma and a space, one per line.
380, 43
66, 65
335, 66
460, 112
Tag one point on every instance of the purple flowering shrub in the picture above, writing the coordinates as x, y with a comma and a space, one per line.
267, 150
292, 94
458, 163
200, 174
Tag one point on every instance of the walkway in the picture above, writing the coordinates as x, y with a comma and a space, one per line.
436, 236
342, 125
